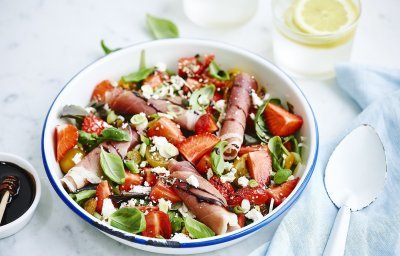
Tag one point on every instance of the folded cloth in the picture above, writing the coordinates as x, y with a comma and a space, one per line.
374, 230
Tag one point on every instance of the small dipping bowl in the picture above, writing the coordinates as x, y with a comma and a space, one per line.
31, 176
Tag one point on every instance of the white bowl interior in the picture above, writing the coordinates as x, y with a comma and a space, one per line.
79, 89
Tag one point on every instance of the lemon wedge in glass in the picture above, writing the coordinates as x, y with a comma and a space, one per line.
320, 17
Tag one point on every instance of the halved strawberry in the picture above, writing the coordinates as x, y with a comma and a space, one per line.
100, 90
162, 190
67, 138
281, 122
280, 192
240, 217
256, 196
149, 177
194, 147
167, 128
156, 79
192, 66
93, 124
103, 191
260, 166
225, 189
131, 179
157, 224
205, 124
247, 149
204, 164
147, 208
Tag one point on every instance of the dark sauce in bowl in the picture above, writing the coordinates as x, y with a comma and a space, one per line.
21, 202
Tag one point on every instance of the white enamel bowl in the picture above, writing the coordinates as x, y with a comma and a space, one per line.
113, 66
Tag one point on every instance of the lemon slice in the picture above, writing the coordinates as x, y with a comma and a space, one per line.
323, 16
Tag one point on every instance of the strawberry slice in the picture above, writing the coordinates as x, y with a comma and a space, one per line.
149, 177
280, 192
204, 164
131, 179
247, 149
192, 66
156, 79
194, 147
256, 196
260, 166
225, 189
100, 90
281, 122
162, 190
93, 124
157, 224
67, 138
205, 124
103, 191
167, 128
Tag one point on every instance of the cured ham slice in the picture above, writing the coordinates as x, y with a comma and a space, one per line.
204, 201
236, 114
126, 102
88, 170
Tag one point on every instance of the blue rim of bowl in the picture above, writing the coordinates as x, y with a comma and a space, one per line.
194, 243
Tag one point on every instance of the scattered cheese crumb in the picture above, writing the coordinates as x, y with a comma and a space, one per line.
141, 189
254, 215
245, 205
147, 91
164, 205
229, 177
256, 100
220, 105
160, 170
180, 237
77, 158
192, 180
252, 116
185, 211
209, 173
291, 177
160, 66
165, 148
243, 181
108, 208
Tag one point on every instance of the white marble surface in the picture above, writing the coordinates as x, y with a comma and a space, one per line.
43, 43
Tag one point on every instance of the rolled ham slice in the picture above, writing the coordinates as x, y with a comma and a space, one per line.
237, 111
205, 201
88, 170
131, 103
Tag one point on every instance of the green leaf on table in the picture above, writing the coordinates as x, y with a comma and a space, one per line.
197, 229
128, 219
106, 49
217, 158
161, 28
112, 166
217, 73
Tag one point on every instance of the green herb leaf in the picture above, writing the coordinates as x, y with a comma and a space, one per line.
132, 166
145, 139
161, 28
201, 98
106, 49
177, 222
217, 73
112, 166
115, 134
197, 229
275, 146
260, 125
88, 140
83, 195
282, 176
294, 142
138, 76
128, 219
217, 158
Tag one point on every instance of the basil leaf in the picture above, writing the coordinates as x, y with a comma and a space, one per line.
259, 122
176, 222
106, 49
161, 28
115, 134
216, 72
145, 139
73, 111
275, 146
294, 142
282, 175
132, 166
88, 140
201, 98
275, 164
138, 76
217, 158
197, 229
128, 219
112, 166
83, 195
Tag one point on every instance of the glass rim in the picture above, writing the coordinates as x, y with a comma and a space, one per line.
282, 25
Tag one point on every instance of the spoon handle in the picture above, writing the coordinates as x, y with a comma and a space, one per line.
337, 239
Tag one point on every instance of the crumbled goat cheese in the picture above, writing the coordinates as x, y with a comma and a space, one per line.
229, 177
243, 181
185, 211
228, 166
252, 116
177, 82
146, 184
77, 158
203, 100
141, 189
160, 170
256, 100
164, 205
209, 173
143, 164
165, 148
220, 105
147, 91
160, 66
108, 208
192, 180
254, 215
291, 177
245, 205
180, 237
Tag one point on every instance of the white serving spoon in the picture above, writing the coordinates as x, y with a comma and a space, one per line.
354, 176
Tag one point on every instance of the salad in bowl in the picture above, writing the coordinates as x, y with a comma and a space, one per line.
186, 150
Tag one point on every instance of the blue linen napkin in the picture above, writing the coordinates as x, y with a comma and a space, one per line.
374, 230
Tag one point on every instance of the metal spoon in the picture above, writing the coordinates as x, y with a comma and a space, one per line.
354, 176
